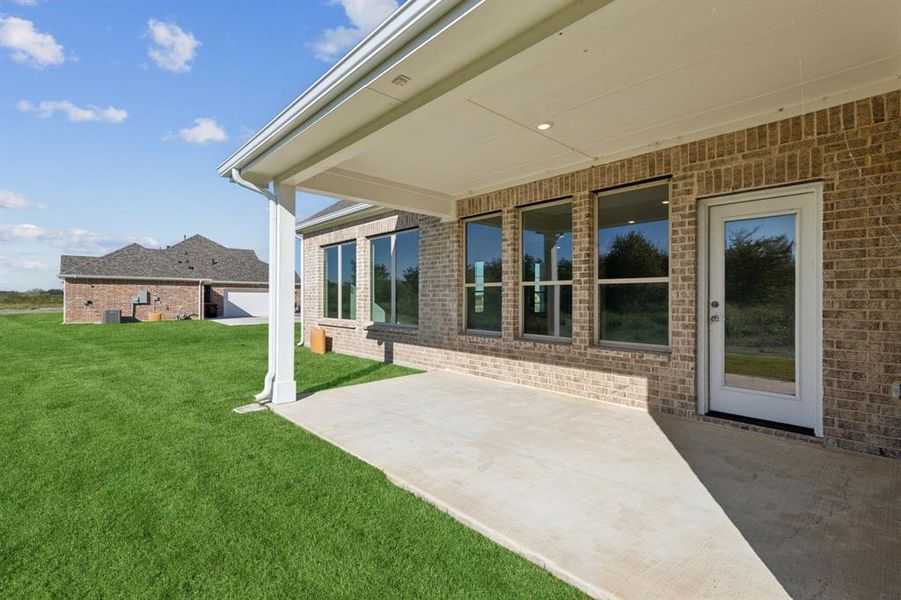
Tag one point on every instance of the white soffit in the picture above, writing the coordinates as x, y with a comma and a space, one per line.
637, 75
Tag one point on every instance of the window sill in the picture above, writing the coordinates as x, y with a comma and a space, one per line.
392, 328
634, 348
481, 333
340, 323
545, 339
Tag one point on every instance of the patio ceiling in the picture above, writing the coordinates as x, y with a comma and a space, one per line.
615, 79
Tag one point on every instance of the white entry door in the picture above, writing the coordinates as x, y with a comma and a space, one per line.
763, 307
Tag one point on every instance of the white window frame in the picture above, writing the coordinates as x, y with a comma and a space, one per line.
339, 246
393, 237
466, 286
598, 281
555, 283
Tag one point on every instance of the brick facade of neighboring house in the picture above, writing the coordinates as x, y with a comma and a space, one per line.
854, 149
175, 277
86, 299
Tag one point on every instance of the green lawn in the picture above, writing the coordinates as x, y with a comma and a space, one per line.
125, 473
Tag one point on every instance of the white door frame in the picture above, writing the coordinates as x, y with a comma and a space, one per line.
703, 358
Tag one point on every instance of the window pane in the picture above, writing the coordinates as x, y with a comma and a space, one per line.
331, 282
759, 314
543, 306
633, 233
636, 312
483, 250
483, 308
547, 243
349, 281
381, 279
407, 277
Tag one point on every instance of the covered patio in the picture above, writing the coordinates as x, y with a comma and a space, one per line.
623, 503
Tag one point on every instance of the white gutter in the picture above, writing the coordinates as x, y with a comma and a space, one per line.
338, 214
266, 393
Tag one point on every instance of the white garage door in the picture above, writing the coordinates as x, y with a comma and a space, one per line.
245, 303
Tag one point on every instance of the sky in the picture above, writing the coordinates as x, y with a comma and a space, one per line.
114, 116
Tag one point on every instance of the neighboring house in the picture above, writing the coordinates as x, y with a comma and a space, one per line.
673, 206
196, 277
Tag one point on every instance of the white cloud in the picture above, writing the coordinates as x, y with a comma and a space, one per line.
364, 16
173, 48
28, 45
11, 199
26, 2
205, 130
24, 264
72, 239
76, 114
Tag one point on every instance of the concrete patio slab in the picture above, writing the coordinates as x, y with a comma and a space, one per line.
622, 503
235, 321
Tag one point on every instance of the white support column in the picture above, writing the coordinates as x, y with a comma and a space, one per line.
281, 294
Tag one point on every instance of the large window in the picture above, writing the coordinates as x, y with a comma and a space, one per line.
395, 278
547, 270
633, 265
340, 281
483, 274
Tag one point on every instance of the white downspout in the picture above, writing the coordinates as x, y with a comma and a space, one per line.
303, 326
266, 393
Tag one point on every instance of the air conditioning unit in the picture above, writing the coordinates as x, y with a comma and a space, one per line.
111, 316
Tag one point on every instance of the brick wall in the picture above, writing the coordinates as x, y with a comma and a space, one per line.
174, 297
854, 149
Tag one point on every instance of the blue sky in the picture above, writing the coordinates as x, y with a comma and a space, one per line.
114, 115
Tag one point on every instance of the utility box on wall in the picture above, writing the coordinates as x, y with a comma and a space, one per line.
111, 317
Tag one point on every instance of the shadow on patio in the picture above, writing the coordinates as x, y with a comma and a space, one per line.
623, 503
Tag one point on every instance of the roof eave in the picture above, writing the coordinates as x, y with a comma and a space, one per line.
351, 213
410, 19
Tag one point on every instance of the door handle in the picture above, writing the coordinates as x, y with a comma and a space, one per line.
714, 318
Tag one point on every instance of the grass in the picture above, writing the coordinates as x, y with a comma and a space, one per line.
768, 366
125, 473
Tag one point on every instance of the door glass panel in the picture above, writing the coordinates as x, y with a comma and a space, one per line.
759, 312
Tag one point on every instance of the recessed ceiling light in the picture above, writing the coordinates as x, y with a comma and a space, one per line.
631, 222
544, 126
665, 202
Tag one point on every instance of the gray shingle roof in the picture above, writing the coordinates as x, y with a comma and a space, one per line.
332, 208
194, 258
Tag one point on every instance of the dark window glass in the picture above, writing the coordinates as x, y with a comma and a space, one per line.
633, 233
483, 308
331, 282
543, 305
349, 281
395, 278
759, 312
637, 313
483, 250
633, 244
407, 277
547, 243
381, 280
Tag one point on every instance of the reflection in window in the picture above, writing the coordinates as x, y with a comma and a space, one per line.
633, 265
395, 278
340, 274
482, 284
547, 255
759, 315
